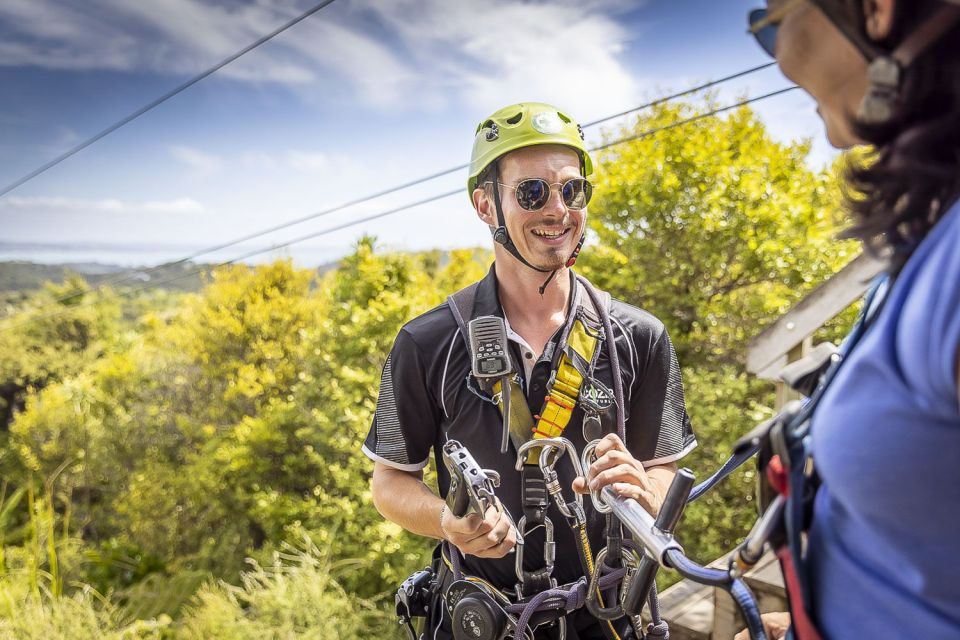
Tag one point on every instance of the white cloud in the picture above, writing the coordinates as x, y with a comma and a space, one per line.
59, 205
497, 51
202, 163
308, 162
177, 206
406, 53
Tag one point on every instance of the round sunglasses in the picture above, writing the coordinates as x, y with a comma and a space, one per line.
764, 31
764, 23
534, 193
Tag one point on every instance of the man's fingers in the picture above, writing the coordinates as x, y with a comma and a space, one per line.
495, 543
620, 473
644, 497
610, 442
611, 459
580, 485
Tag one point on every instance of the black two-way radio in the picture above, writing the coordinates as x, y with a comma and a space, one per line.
490, 359
489, 349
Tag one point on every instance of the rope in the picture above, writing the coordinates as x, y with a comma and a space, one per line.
569, 599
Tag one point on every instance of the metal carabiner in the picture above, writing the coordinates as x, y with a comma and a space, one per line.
549, 548
593, 593
586, 459
555, 447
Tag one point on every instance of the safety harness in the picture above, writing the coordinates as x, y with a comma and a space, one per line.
571, 383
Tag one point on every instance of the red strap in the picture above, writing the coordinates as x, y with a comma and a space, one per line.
777, 476
803, 627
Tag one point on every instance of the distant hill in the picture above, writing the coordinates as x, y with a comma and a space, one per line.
21, 276
26, 276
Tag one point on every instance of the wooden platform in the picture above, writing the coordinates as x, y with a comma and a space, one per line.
697, 612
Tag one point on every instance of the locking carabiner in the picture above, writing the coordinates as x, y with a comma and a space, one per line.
555, 447
549, 557
593, 590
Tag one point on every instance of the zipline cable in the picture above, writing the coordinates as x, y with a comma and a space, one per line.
383, 214
152, 105
132, 274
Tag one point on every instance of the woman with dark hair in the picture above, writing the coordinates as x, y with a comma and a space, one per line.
882, 547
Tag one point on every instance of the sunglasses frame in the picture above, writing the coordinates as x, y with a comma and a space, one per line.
587, 190
763, 25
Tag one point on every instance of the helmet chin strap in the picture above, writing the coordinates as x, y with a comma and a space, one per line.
502, 237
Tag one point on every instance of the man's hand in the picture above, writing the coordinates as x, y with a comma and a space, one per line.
617, 467
493, 536
774, 624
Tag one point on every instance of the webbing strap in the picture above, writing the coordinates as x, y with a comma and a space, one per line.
564, 390
561, 398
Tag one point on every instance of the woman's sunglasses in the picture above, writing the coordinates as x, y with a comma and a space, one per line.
534, 193
764, 23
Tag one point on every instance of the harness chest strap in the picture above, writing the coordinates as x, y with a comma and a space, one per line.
580, 354
562, 393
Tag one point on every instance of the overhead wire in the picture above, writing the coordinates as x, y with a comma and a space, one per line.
644, 134
136, 274
155, 103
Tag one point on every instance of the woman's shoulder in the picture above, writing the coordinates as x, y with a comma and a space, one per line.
928, 327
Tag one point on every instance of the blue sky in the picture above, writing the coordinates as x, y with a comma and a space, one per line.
357, 98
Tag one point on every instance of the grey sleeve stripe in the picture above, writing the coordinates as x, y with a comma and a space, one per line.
670, 439
391, 463
671, 458
390, 442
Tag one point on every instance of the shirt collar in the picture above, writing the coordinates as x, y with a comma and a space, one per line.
487, 301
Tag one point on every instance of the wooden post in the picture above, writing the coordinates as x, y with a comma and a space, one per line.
784, 393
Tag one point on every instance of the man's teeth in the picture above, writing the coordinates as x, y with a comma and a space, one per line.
549, 234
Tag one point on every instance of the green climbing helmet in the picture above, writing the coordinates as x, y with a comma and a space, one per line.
523, 125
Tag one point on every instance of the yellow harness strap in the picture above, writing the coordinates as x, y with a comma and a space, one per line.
561, 396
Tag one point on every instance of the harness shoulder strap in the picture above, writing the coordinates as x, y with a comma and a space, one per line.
461, 305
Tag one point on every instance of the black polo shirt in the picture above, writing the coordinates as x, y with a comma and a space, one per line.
425, 401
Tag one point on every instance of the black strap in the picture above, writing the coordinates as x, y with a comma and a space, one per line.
461, 304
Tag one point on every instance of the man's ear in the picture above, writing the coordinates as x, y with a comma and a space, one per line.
879, 15
483, 204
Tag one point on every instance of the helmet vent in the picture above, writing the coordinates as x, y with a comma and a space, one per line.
516, 118
564, 117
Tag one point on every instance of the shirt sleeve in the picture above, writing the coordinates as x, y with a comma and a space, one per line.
929, 332
658, 422
407, 418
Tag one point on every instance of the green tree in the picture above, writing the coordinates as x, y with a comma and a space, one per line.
714, 227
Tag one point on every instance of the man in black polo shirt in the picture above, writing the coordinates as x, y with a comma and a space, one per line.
528, 184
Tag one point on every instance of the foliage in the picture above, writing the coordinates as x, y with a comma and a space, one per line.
48, 337
713, 227
82, 616
233, 424
297, 596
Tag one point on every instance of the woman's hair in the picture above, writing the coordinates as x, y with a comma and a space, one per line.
899, 192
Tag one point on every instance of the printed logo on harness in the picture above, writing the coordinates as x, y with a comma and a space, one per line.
595, 396
547, 123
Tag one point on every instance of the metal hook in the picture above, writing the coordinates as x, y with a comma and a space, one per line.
589, 457
551, 451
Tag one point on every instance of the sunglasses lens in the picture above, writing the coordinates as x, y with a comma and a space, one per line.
532, 194
577, 193
766, 36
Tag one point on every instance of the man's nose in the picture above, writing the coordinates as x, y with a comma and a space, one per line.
555, 205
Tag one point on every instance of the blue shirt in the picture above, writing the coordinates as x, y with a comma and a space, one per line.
884, 547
